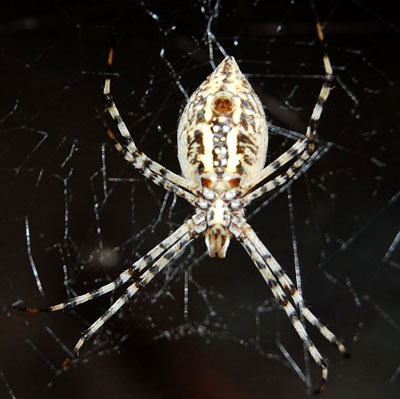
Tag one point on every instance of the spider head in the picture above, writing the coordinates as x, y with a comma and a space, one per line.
217, 234
217, 240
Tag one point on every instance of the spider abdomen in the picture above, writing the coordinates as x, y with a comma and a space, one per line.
223, 132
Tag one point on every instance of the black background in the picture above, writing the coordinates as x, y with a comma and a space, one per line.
55, 159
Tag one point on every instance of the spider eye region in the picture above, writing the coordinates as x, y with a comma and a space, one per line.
217, 235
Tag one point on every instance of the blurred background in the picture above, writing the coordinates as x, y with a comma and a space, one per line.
74, 214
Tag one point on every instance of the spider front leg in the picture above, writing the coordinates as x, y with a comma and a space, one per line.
145, 165
142, 271
283, 289
125, 276
286, 283
171, 254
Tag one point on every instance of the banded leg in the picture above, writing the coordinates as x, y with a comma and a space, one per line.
297, 148
125, 276
290, 289
303, 148
245, 236
158, 179
277, 181
145, 165
172, 253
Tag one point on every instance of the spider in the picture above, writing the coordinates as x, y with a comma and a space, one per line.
222, 146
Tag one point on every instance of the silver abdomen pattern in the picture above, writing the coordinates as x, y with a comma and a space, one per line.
222, 133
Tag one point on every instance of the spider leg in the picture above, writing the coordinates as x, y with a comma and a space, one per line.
295, 150
145, 165
263, 260
288, 286
173, 252
302, 148
125, 276
278, 181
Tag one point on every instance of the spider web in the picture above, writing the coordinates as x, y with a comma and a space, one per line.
73, 214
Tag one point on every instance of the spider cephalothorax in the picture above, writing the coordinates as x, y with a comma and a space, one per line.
222, 211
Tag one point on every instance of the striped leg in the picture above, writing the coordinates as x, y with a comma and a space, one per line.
278, 181
294, 151
290, 289
303, 148
161, 179
125, 276
262, 259
172, 253
146, 166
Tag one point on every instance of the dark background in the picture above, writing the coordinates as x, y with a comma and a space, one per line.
89, 215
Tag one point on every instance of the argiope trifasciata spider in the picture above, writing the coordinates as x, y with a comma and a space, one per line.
222, 146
